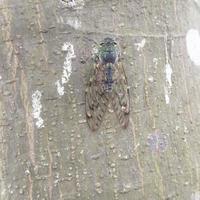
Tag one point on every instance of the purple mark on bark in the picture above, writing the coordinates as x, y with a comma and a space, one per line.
157, 141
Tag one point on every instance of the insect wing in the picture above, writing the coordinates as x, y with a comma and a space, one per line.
96, 99
120, 95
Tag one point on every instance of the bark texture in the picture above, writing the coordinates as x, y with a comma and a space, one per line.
46, 148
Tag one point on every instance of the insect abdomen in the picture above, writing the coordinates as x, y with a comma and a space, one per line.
109, 77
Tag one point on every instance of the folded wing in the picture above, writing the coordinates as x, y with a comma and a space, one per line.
120, 95
96, 98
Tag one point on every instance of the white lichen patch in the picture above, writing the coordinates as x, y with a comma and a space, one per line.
67, 67
195, 195
167, 88
75, 4
74, 22
155, 60
60, 88
167, 100
151, 79
141, 44
193, 45
197, 2
3, 191
168, 71
37, 107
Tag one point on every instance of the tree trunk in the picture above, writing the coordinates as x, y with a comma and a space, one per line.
47, 150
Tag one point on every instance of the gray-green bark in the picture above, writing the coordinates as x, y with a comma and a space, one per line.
46, 148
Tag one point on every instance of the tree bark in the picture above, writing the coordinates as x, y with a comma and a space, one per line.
47, 150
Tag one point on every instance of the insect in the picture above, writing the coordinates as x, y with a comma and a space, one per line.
107, 86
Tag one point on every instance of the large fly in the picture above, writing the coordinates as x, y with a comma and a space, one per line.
107, 85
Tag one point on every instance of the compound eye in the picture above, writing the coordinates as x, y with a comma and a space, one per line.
115, 43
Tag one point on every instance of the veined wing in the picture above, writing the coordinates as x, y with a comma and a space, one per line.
96, 99
120, 95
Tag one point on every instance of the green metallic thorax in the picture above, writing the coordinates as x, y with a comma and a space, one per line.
108, 51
